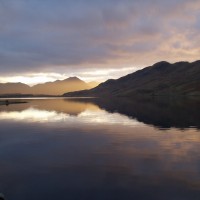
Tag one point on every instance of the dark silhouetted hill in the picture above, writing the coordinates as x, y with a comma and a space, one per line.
163, 78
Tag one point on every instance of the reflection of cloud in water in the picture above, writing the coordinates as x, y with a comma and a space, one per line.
160, 113
88, 116
103, 117
80, 146
33, 115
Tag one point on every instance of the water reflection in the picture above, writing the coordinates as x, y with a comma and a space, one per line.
88, 116
161, 113
99, 149
32, 115
70, 107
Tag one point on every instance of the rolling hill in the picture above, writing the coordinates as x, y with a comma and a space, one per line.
50, 88
59, 87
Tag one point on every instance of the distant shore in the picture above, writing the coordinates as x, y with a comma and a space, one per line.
4, 96
8, 102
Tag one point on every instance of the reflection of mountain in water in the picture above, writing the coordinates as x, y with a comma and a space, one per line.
69, 107
162, 113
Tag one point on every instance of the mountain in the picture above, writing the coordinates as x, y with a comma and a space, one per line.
50, 88
163, 78
14, 88
59, 87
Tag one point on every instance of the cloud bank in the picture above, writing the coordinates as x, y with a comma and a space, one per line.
69, 37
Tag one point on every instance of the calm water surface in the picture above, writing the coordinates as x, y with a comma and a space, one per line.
98, 149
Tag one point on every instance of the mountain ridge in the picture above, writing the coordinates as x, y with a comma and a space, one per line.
162, 78
57, 87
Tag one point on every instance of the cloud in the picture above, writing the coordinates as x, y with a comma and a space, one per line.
67, 36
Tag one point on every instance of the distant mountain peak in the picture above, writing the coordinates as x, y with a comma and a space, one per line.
15, 83
73, 78
57, 87
161, 64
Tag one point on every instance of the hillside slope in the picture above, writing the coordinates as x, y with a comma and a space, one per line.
50, 88
163, 78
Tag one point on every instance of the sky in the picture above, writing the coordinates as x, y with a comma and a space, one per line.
45, 40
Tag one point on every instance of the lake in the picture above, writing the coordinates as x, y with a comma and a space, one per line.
100, 149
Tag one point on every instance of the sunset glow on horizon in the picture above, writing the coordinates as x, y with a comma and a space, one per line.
99, 75
99, 99
94, 40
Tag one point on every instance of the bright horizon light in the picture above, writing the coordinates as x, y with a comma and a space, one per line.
33, 79
97, 75
94, 40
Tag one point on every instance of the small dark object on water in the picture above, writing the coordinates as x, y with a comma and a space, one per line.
7, 103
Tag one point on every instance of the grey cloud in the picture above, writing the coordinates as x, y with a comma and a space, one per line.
54, 35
